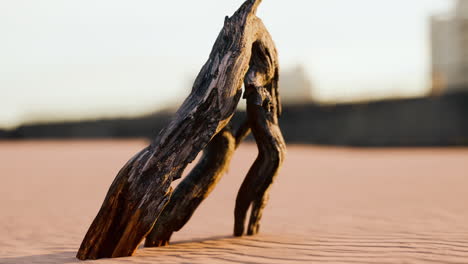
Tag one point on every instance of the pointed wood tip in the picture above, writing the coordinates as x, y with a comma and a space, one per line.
249, 7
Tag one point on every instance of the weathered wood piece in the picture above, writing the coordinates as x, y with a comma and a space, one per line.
198, 184
193, 189
141, 189
263, 110
263, 70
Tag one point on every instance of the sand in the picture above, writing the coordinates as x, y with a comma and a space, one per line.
333, 205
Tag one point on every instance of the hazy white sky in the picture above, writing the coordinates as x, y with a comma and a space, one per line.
91, 58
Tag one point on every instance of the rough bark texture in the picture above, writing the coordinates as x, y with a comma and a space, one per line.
141, 189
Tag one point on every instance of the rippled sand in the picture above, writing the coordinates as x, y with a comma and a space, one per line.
328, 205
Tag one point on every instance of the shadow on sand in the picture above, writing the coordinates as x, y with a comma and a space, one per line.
68, 256
61, 257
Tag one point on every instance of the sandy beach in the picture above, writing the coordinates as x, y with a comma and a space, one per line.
329, 205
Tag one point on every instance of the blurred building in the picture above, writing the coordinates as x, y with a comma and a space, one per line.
295, 86
449, 39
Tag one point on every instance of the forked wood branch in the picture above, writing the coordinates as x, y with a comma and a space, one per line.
263, 110
272, 148
141, 189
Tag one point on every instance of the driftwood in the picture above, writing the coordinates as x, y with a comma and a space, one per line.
263, 109
141, 189
194, 189
197, 185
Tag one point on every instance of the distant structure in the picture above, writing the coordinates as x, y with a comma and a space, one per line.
295, 86
449, 37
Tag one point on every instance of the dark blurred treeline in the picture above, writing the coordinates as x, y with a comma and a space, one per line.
429, 121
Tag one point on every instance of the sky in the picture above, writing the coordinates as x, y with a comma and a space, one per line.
86, 59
